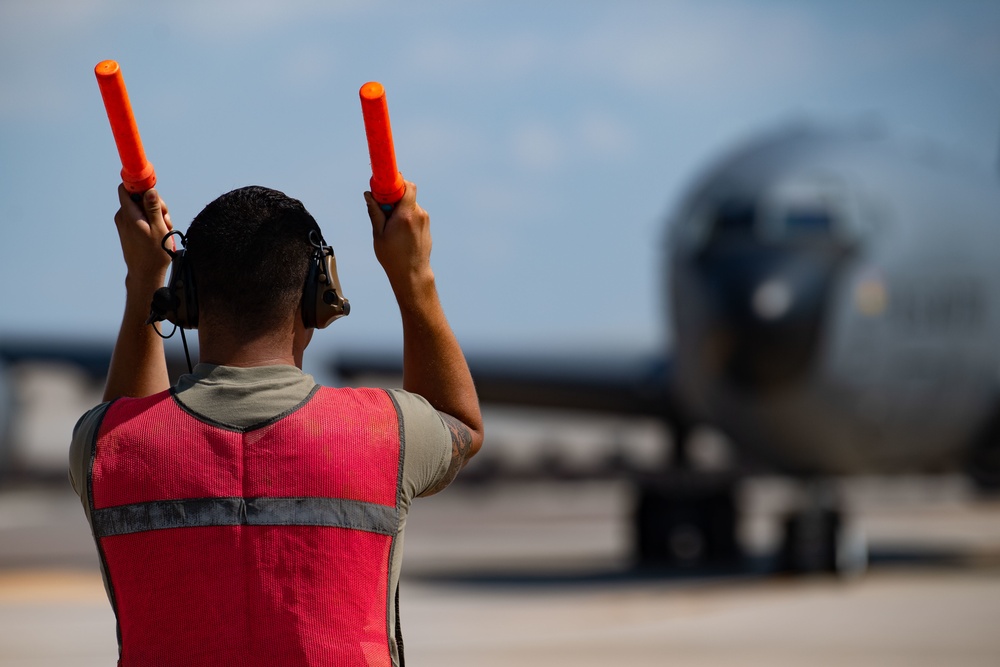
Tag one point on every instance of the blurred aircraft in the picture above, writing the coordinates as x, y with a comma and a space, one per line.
835, 306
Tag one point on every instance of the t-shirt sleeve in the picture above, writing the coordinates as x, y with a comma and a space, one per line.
80, 448
426, 443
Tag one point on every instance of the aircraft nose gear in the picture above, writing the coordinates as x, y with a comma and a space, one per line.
685, 519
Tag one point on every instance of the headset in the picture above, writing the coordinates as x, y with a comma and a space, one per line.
322, 296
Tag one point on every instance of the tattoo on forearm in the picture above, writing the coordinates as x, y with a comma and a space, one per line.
461, 445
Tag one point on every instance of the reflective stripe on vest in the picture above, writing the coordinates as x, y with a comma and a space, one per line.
265, 546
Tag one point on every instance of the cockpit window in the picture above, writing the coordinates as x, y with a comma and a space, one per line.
734, 219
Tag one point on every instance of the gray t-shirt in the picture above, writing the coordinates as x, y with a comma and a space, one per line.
243, 397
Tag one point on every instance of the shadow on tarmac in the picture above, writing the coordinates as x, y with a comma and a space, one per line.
749, 569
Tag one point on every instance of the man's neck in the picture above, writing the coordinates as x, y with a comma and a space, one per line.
219, 347
247, 358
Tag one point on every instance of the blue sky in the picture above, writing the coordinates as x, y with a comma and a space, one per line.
549, 140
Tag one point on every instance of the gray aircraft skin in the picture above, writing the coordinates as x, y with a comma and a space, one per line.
836, 302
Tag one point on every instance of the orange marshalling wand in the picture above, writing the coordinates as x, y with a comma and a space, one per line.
387, 183
137, 172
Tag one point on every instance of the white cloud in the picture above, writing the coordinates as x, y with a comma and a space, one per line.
519, 53
536, 146
33, 43
691, 47
602, 137
454, 56
307, 65
436, 54
234, 21
28, 97
443, 141
29, 18
686, 47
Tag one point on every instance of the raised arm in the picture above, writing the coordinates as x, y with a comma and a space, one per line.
433, 363
138, 367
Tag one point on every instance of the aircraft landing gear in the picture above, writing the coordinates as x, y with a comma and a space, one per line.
689, 520
686, 519
809, 544
817, 539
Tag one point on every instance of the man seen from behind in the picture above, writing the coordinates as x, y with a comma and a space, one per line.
246, 515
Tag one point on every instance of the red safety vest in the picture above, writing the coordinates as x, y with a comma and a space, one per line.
269, 545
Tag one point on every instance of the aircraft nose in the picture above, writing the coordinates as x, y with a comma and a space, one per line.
767, 306
772, 299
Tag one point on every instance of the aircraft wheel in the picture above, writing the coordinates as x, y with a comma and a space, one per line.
686, 521
817, 541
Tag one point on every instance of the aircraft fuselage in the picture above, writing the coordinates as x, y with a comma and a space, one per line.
835, 303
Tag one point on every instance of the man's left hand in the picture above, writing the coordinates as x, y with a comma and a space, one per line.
141, 232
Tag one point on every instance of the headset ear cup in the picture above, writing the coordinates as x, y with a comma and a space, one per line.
330, 302
322, 302
163, 307
176, 303
322, 316
181, 296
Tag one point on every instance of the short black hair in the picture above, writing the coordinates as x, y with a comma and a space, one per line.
249, 252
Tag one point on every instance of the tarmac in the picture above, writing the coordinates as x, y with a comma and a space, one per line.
539, 573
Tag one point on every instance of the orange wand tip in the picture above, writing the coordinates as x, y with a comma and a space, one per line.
372, 90
386, 183
137, 172
106, 68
